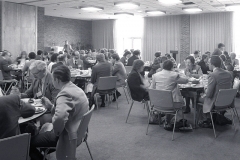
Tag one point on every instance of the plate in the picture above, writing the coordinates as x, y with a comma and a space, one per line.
39, 110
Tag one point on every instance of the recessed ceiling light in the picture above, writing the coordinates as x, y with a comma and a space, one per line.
139, 11
127, 5
233, 7
123, 14
170, 2
192, 10
91, 8
155, 12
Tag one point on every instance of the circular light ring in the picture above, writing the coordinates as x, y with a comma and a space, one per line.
124, 13
127, 4
192, 10
91, 8
155, 12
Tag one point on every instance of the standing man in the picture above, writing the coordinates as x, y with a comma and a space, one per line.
67, 47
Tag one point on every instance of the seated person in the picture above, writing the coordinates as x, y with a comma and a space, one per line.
136, 83
234, 61
53, 60
218, 79
102, 69
125, 57
196, 56
136, 55
85, 59
31, 57
39, 55
204, 64
119, 71
67, 112
156, 64
61, 60
75, 61
223, 58
6, 65
191, 70
45, 57
11, 109
167, 79
21, 60
172, 59
163, 59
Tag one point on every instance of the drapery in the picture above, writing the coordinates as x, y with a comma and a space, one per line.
209, 29
103, 34
160, 34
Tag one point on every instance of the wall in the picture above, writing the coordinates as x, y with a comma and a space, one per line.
57, 30
40, 28
184, 37
19, 28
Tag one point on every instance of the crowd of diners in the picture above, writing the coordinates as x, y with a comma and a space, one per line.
66, 101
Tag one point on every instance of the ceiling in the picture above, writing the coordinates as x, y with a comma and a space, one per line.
68, 8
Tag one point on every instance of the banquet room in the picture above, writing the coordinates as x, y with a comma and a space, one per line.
119, 79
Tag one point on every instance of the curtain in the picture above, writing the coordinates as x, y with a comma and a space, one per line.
209, 29
103, 34
160, 34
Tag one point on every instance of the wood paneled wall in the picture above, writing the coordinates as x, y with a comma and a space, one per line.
19, 28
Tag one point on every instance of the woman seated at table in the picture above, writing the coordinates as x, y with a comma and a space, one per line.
191, 70
156, 64
136, 82
204, 64
234, 61
125, 57
21, 60
168, 79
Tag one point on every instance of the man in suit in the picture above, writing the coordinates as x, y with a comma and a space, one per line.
39, 55
11, 109
75, 61
68, 111
5, 65
85, 58
218, 79
101, 69
61, 60
135, 56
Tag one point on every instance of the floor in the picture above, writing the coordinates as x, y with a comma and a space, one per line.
110, 138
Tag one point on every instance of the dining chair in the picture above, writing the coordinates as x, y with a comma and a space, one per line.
15, 148
225, 99
128, 69
106, 86
82, 133
4, 83
162, 101
145, 103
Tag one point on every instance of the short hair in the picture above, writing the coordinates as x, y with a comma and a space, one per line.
94, 50
52, 49
102, 51
229, 67
168, 55
233, 54
5, 53
32, 55
82, 52
38, 65
217, 52
60, 52
115, 56
111, 51
220, 45
136, 52
196, 52
137, 64
223, 57
23, 52
45, 53
54, 57
207, 52
61, 57
168, 65
127, 53
62, 73
158, 54
191, 58
204, 56
164, 58
76, 53
216, 61
39, 52
100, 57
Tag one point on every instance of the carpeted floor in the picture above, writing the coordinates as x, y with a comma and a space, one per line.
110, 138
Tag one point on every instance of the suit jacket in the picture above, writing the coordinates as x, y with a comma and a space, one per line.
38, 57
4, 63
204, 67
68, 112
86, 64
11, 109
131, 59
169, 80
134, 82
119, 71
235, 62
124, 60
102, 69
70, 62
56, 65
218, 79
48, 89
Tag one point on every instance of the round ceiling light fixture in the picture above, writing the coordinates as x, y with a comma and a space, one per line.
127, 5
91, 8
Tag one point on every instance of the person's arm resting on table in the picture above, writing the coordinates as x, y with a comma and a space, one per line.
26, 109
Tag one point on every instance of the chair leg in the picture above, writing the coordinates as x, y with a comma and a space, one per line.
233, 119
237, 114
148, 123
129, 111
89, 149
213, 125
183, 118
125, 94
174, 125
116, 98
95, 99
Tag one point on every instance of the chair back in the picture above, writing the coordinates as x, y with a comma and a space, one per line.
84, 124
128, 69
128, 89
107, 83
16, 147
225, 97
1, 76
161, 99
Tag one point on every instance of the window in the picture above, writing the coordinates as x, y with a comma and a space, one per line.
236, 33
